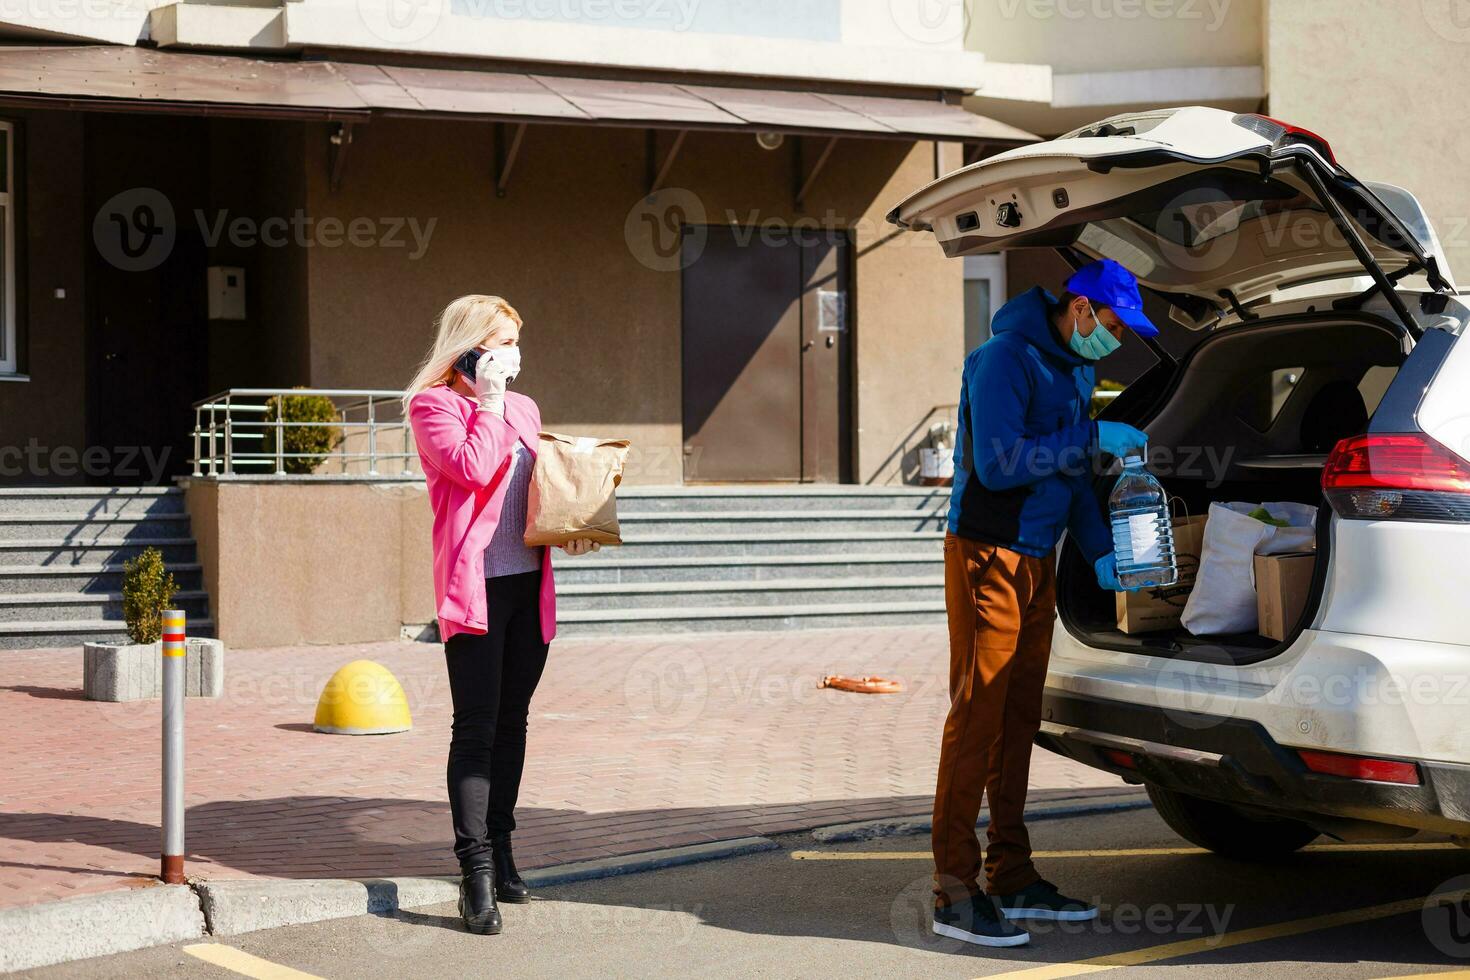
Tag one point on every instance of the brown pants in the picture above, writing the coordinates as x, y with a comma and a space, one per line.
1001, 608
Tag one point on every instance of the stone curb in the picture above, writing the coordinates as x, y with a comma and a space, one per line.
122, 921
97, 925
909, 826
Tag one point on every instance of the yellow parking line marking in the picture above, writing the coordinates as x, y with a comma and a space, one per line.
1223, 940
238, 961
1446, 974
1124, 852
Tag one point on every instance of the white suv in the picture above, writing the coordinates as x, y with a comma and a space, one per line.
1327, 369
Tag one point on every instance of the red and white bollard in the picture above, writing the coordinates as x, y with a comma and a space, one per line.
174, 659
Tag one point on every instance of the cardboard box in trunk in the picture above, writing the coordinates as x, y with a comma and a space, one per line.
1282, 584
1149, 610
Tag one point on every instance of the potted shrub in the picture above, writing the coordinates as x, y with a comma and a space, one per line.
315, 441
133, 671
148, 590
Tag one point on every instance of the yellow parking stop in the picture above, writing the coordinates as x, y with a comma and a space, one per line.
362, 698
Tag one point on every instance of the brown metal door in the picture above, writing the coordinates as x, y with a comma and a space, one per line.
147, 332
824, 349
742, 356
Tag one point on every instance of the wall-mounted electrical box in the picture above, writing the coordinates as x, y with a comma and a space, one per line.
226, 292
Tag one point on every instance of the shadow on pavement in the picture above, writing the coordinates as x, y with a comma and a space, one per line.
1146, 901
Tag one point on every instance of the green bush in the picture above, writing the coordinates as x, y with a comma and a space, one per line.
148, 590
316, 440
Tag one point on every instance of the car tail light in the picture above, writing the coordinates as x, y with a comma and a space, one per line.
1120, 758
1397, 476
1361, 767
1284, 133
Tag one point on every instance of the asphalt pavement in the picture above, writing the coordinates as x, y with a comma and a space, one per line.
861, 909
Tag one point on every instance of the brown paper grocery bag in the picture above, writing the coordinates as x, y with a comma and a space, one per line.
1160, 609
571, 493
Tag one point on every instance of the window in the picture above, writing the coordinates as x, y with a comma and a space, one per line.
8, 359
1374, 385
1200, 218
985, 291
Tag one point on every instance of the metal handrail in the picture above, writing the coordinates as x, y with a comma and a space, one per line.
236, 415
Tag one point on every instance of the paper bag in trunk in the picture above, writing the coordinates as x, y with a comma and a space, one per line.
1160, 608
571, 494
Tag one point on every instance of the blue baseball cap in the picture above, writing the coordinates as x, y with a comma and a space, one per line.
1107, 283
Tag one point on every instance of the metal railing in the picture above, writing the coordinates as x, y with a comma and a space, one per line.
237, 433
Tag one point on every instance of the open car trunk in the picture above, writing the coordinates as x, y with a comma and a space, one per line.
1222, 215
1249, 415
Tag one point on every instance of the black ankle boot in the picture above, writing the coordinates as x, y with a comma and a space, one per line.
508, 884
477, 900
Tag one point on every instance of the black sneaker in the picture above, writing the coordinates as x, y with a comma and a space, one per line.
976, 921
1041, 900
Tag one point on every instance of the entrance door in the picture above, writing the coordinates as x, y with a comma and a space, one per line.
147, 329
765, 347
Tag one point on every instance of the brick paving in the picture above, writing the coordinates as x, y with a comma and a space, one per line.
635, 744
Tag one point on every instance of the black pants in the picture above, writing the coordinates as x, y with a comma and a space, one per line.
491, 679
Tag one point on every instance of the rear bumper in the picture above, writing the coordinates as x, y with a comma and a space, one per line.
1235, 760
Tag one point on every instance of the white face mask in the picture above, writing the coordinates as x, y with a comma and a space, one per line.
511, 358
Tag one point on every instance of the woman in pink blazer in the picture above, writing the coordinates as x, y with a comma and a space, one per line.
496, 602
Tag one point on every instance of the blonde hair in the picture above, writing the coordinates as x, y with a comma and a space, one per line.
470, 321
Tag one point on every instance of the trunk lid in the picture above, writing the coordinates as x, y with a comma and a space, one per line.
1211, 209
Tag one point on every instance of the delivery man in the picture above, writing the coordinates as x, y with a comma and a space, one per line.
1022, 475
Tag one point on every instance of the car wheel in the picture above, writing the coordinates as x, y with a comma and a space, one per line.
1225, 830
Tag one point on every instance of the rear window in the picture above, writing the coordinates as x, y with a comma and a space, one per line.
1374, 383
1407, 209
1208, 216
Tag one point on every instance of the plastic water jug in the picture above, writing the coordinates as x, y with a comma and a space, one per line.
1143, 534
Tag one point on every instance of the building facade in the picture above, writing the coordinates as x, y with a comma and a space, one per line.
684, 201
1357, 72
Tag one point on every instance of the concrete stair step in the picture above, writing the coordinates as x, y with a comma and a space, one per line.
81, 501
84, 579
645, 499
73, 633
774, 521
738, 568
55, 553
787, 592
70, 528
776, 543
699, 619
67, 606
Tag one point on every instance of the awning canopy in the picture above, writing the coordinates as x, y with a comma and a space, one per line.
142, 79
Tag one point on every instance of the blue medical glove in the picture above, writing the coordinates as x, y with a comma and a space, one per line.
1107, 573
1116, 438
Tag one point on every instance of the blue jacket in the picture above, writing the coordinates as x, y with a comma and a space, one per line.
1026, 439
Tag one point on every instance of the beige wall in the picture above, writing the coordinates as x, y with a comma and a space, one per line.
603, 326
1382, 82
602, 335
258, 172
1118, 35
277, 574
910, 333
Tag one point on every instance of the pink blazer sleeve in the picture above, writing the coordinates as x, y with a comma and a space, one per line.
470, 455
